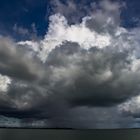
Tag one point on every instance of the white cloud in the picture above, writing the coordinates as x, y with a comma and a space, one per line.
4, 83
101, 29
131, 107
59, 32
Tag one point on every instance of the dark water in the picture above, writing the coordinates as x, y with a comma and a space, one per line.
61, 134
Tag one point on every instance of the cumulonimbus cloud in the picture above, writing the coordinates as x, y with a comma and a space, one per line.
92, 63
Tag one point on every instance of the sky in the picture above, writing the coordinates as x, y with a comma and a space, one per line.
70, 64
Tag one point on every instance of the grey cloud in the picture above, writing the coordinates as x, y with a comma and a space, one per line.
15, 62
95, 77
106, 18
74, 77
84, 117
20, 30
71, 78
72, 10
26, 33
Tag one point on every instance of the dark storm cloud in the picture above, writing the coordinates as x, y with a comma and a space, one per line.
15, 62
94, 77
95, 117
74, 79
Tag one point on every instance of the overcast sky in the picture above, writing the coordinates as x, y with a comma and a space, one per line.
70, 64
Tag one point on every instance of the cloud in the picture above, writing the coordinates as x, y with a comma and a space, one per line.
96, 60
93, 63
26, 33
59, 32
106, 31
4, 82
131, 107
20, 30
92, 77
15, 62
72, 10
